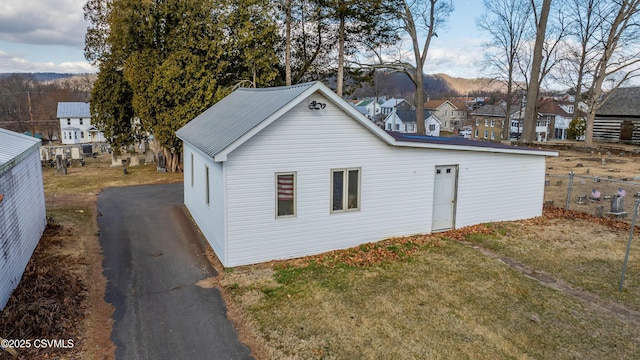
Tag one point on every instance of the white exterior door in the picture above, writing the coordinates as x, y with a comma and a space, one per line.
444, 197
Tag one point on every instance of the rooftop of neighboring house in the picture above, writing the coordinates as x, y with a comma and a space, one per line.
75, 109
391, 103
434, 104
409, 116
490, 110
622, 102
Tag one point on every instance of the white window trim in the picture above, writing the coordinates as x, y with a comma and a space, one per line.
345, 190
295, 194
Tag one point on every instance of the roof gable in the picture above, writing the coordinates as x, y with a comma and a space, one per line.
76, 109
236, 118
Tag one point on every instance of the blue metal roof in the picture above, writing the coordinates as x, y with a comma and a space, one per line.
457, 141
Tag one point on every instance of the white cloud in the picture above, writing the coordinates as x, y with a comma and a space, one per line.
51, 22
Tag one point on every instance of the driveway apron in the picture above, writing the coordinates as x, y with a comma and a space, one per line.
152, 260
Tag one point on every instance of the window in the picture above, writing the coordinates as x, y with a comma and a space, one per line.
446, 113
389, 127
493, 135
191, 170
445, 125
432, 127
81, 134
477, 122
68, 121
345, 190
285, 194
476, 132
486, 122
397, 127
206, 185
80, 121
493, 123
486, 134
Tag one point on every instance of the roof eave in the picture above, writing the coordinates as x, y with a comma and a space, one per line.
475, 148
318, 86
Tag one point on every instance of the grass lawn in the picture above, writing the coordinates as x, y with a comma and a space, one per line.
442, 299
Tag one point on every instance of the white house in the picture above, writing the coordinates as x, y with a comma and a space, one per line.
75, 124
372, 106
388, 106
292, 171
404, 121
22, 207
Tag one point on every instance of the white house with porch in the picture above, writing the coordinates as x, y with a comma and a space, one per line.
75, 124
285, 172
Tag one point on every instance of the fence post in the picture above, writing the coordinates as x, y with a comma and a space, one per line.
626, 256
569, 191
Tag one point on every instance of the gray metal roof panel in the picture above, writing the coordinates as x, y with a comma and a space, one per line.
73, 110
13, 145
235, 115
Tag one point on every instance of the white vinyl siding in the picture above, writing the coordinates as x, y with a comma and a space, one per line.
210, 219
22, 220
332, 140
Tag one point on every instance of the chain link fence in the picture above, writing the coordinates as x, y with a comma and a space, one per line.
592, 194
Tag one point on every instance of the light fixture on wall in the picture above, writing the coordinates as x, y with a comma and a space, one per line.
314, 105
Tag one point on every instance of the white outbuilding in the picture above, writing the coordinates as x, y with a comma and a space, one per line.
291, 171
22, 207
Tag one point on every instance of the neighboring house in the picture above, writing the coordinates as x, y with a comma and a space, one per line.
75, 124
558, 114
452, 115
487, 122
618, 119
372, 105
291, 171
22, 207
398, 104
432, 125
403, 121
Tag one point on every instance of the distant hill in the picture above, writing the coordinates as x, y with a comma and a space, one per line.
45, 76
395, 84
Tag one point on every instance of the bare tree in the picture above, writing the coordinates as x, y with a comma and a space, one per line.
417, 18
506, 21
530, 114
617, 57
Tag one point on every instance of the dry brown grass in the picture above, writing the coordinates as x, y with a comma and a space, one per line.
444, 302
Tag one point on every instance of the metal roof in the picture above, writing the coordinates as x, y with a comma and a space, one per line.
73, 110
13, 147
623, 102
235, 115
461, 141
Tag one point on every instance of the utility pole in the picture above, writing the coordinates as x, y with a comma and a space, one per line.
33, 126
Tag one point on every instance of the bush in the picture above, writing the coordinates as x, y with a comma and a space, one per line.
576, 129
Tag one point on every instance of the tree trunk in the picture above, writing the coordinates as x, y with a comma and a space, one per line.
341, 36
530, 114
419, 100
287, 42
172, 161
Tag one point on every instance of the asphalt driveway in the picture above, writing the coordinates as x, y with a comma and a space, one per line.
153, 260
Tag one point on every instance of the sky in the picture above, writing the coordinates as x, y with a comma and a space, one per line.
48, 36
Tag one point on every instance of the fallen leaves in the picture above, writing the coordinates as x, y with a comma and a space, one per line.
48, 303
